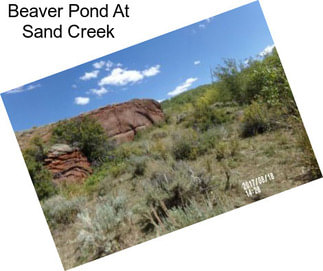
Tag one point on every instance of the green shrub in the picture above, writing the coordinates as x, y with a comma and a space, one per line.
36, 169
191, 145
158, 135
262, 79
139, 165
40, 176
117, 169
59, 210
255, 120
86, 134
45, 189
125, 151
160, 150
185, 148
206, 116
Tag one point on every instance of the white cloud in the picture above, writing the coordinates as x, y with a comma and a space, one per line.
122, 77
152, 71
109, 65
24, 88
267, 50
31, 87
82, 100
183, 87
99, 64
74, 86
90, 75
197, 62
101, 91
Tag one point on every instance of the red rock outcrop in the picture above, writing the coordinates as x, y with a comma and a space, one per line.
121, 121
67, 164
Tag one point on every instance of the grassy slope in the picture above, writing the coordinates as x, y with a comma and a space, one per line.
137, 167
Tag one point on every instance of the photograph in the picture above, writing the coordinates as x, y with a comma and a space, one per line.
161, 135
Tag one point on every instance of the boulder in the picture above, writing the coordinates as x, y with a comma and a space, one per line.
67, 164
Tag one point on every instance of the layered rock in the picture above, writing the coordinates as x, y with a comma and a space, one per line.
67, 164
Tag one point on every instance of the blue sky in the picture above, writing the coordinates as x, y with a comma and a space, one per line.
159, 69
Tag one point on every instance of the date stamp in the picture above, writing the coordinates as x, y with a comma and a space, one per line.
253, 186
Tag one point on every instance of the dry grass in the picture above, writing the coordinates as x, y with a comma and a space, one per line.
170, 193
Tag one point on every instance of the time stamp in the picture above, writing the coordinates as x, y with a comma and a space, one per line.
252, 187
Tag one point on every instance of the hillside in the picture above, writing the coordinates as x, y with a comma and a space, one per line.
217, 148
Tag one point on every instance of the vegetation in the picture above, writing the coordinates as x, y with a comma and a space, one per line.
59, 210
86, 134
184, 170
40, 176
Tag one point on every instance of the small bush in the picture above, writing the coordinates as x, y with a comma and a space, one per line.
101, 231
194, 212
158, 135
36, 169
86, 134
45, 189
59, 210
117, 169
168, 190
40, 176
205, 116
226, 149
191, 145
139, 166
185, 149
159, 150
125, 151
255, 120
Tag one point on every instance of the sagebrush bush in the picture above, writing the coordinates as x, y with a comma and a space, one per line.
59, 210
86, 134
192, 213
167, 190
100, 232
